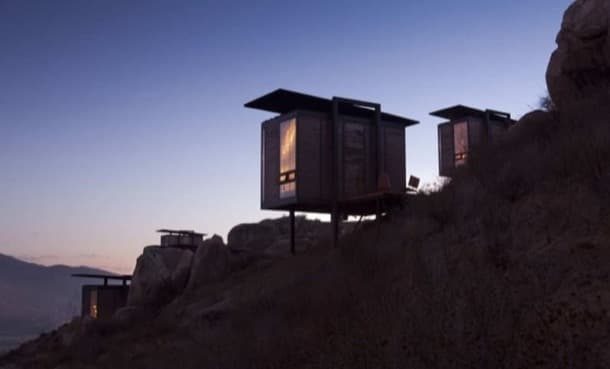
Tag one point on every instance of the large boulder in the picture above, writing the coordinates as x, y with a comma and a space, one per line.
271, 237
580, 67
253, 238
535, 125
160, 274
211, 263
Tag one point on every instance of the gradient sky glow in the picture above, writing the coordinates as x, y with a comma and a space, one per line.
121, 117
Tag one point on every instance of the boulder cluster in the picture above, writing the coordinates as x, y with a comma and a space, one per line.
163, 273
580, 67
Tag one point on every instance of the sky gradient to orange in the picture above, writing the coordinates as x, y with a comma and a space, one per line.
121, 117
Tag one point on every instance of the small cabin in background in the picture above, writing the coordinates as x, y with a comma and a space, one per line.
466, 129
181, 239
329, 155
101, 301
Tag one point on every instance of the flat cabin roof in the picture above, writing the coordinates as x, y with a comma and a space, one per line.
462, 111
283, 101
103, 276
181, 232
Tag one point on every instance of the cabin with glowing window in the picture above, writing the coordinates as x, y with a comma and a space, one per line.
101, 301
329, 155
466, 129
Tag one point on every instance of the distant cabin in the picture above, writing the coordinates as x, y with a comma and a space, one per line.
329, 155
466, 129
101, 301
182, 239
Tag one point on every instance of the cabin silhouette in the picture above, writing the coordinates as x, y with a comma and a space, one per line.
337, 156
466, 129
101, 301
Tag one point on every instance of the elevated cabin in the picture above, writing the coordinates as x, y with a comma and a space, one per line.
329, 155
466, 129
101, 301
181, 239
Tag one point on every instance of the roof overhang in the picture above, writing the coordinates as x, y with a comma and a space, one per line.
283, 101
461, 111
180, 232
103, 276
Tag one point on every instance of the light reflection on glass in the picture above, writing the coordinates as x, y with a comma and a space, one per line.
460, 136
288, 134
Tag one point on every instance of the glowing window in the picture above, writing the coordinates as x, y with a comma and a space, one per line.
288, 158
263, 169
460, 143
93, 305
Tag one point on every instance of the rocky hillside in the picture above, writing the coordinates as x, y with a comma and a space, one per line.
508, 266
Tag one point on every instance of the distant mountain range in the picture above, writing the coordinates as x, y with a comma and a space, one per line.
36, 298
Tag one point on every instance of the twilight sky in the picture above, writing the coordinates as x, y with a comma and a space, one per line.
121, 117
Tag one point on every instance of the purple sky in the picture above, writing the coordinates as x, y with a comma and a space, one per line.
121, 117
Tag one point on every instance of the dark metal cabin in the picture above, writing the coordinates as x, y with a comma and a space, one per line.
301, 170
182, 239
466, 129
332, 156
102, 301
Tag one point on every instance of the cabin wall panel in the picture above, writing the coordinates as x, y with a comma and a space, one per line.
355, 158
446, 149
271, 187
86, 299
326, 158
110, 299
476, 130
496, 130
309, 174
394, 157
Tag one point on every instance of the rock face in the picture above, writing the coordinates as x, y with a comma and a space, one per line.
272, 237
580, 67
252, 237
211, 263
160, 274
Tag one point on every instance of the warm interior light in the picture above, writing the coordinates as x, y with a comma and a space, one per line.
288, 134
460, 137
93, 312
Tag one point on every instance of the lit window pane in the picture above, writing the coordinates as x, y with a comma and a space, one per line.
460, 135
93, 312
288, 134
